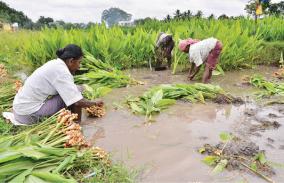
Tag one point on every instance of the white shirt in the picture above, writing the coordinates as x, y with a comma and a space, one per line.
199, 52
52, 78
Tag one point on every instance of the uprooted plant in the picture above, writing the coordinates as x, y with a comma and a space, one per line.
269, 88
8, 91
234, 153
160, 97
102, 74
53, 151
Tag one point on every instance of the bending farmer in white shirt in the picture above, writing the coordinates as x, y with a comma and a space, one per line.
205, 52
51, 88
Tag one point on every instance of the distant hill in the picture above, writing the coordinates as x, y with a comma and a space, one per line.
11, 15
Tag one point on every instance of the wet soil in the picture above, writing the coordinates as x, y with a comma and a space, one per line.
167, 150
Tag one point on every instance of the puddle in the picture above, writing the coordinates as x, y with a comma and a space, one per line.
167, 149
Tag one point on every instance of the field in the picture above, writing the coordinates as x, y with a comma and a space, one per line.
158, 126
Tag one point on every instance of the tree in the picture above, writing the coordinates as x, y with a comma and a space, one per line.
177, 14
276, 8
113, 15
184, 15
251, 7
168, 18
223, 17
144, 20
189, 14
11, 15
211, 17
199, 14
44, 21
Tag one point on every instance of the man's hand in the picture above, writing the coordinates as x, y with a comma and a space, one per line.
99, 103
190, 77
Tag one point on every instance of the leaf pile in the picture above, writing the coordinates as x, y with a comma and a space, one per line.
270, 88
102, 74
8, 90
92, 92
160, 97
50, 152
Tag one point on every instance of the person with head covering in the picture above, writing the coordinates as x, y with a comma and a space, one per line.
51, 87
205, 52
163, 50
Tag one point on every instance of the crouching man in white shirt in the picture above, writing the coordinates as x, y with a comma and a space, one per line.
51, 88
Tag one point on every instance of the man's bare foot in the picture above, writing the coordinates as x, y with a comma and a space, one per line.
190, 78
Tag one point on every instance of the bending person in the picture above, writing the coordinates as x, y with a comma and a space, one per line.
205, 52
163, 50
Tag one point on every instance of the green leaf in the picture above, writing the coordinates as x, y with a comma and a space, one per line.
136, 109
157, 96
211, 160
224, 136
55, 151
65, 163
15, 167
102, 91
216, 73
163, 103
22, 176
31, 151
261, 157
201, 150
220, 166
51, 177
200, 97
253, 166
9, 155
34, 179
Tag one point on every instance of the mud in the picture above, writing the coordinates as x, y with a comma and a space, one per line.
239, 153
167, 150
222, 99
264, 118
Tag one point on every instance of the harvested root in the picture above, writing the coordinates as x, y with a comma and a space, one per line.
245, 80
72, 130
3, 71
18, 85
96, 111
279, 74
99, 153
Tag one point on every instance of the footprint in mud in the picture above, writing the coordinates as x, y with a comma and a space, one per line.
250, 112
265, 125
148, 77
272, 115
270, 140
203, 138
271, 146
97, 133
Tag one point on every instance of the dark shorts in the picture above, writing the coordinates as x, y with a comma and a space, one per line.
213, 56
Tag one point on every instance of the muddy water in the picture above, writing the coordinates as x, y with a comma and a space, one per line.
166, 151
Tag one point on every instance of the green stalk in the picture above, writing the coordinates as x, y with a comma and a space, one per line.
51, 133
59, 141
258, 173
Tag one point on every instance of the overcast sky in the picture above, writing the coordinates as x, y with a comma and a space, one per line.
90, 10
